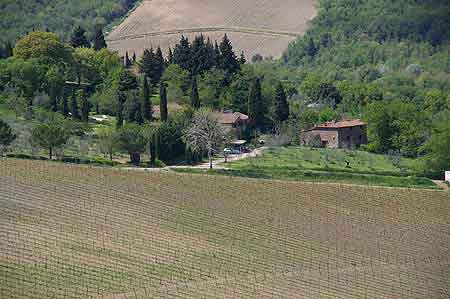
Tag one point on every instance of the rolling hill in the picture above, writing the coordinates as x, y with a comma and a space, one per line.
254, 26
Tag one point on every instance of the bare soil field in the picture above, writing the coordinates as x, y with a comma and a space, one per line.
81, 232
255, 26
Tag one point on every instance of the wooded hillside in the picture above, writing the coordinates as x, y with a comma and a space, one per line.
20, 16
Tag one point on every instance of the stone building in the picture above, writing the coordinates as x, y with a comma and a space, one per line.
349, 134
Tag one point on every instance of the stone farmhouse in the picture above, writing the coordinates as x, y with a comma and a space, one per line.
348, 134
235, 122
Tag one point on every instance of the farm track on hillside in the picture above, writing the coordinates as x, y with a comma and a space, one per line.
255, 31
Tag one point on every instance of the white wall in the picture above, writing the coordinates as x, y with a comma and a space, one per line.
447, 176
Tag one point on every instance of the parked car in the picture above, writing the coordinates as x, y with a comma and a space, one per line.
231, 151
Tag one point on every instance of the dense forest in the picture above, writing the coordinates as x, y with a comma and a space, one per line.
18, 17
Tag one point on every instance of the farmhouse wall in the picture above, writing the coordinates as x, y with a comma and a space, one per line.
352, 137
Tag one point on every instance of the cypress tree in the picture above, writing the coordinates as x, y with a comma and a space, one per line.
281, 104
99, 39
127, 81
242, 59
65, 106
210, 55
147, 109
217, 55
310, 48
78, 38
74, 106
84, 106
158, 66
170, 56
147, 61
127, 60
163, 102
255, 105
134, 57
182, 54
119, 113
199, 56
195, 100
228, 61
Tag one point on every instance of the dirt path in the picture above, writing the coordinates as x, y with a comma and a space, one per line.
256, 31
442, 185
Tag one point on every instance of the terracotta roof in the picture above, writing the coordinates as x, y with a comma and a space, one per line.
228, 118
340, 124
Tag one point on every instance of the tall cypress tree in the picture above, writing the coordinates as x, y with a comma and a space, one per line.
158, 66
74, 106
127, 60
147, 109
311, 49
120, 105
147, 62
84, 106
281, 104
78, 38
210, 61
65, 106
242, 59
217, 55
199, 56
256, 110
195, 100
228, 61
182, 54
99, 39
163, 102
134, 57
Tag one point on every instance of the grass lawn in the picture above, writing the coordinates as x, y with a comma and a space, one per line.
327, 165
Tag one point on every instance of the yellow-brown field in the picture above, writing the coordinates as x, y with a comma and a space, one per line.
80, 232
254, 26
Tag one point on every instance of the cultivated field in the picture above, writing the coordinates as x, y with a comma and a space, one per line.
255, 26
79, 232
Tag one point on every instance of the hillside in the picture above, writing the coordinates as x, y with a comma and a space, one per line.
20, 16
79, 232
254, 26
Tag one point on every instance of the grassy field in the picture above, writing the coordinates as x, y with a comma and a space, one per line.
79, 232
254, 26
326, 165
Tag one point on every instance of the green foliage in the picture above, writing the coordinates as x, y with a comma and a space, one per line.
281, 104
256, 107
51, 132
131, 139
44, 46
6, 136
437, 159
17, 17
195, 100
78, 38
177, 80
98, 41
163, 102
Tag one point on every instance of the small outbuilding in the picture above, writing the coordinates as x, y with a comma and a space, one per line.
447, 176
347, 134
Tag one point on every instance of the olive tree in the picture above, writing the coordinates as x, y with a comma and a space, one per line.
107, 141
6, 136
54, 131
132, 140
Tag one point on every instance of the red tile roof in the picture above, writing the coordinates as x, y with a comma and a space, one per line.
340, 124
229, 118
